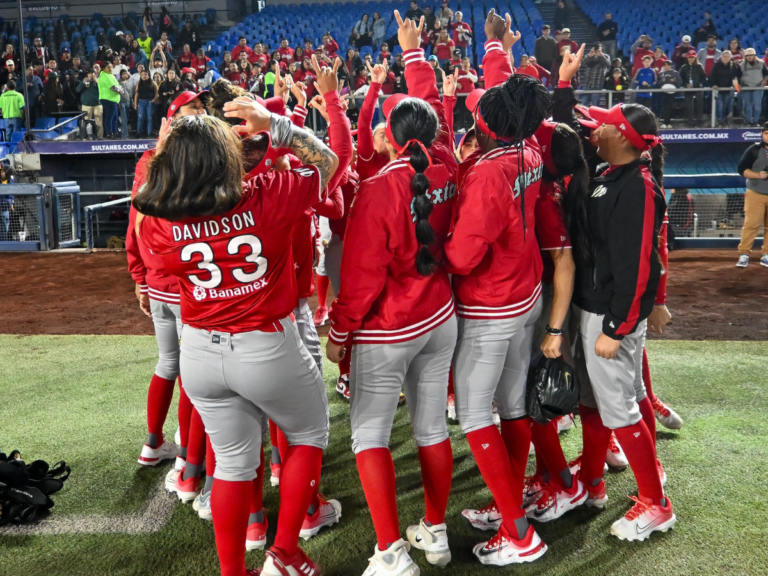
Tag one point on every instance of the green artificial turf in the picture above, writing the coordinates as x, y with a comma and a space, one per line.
82, 399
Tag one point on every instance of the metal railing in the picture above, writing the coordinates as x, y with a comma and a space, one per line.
89, 222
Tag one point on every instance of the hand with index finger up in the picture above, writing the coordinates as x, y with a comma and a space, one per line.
327, 80
408, 34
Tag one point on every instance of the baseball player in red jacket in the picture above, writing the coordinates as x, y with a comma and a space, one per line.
496, 265
232, 253
158, 294
396, 306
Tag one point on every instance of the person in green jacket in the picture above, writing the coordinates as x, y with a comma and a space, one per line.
88, 89
269, 80
109, 96
12, 105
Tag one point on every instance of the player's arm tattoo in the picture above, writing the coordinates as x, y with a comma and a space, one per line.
309, 149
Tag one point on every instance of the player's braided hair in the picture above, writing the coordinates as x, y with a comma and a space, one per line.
414, 119
514, 111
221, 92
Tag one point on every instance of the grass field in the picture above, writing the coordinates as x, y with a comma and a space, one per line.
82, 399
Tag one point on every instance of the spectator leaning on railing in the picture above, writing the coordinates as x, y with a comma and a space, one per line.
723, 79
545, 49
754, 167
617, 82
669, 80
709, 55
693, 76
88, 89
597, 64
645, 77
640, 49
754, 74
606, 34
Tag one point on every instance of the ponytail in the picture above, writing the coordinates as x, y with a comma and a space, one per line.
421, 207
657, 163
576, 203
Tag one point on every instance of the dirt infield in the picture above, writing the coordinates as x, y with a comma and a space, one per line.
77, 293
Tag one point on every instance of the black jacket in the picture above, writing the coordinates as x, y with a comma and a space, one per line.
696, 72
563, 103
722, 75
626, 210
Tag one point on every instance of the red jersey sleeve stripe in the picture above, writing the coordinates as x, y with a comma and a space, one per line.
494, 45
646, 249
415, 55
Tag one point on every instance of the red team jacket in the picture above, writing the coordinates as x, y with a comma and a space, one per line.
383, 298
496, 263
147, 269
369, 162
551, 231
236, 270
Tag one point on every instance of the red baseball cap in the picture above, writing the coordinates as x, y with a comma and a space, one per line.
615, 117
690, 54
268, 161
391, 102
473, 98
584, 118
182, 100
544, 137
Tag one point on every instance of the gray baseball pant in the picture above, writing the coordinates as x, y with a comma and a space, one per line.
613, 386
308, 332
233, 378
491, 363
167, 320
379, 372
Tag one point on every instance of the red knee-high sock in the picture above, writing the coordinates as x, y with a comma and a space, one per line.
596, 438
548, 450
230, 505
647, 374
492, 459
282, 444
377, 475
210, 457
273, 435
649, 417
638, 446
450, 381
322, 283
185, 413
300, 476
158, 401
436, 474
196, 443
257, 501
345, 362
517, 439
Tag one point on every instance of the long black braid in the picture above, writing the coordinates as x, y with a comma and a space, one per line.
514, 111
414, 119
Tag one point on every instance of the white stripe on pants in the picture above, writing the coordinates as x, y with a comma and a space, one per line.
613, 386
308, 332
167, 320
258, 374
491, 363
379, 372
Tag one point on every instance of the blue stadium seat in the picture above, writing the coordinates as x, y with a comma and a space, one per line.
45, 123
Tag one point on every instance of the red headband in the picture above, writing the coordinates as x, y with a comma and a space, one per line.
401, 149
480, 123
616, 118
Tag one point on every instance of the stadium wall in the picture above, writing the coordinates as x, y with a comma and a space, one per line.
227, 9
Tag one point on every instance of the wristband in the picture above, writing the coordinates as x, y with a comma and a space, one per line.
280, 131
554, 331
563, 83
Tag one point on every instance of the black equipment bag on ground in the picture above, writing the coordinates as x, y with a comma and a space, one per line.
25, 489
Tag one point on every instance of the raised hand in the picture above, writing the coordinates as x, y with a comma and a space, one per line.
408, 34
318, 103
571, 64
327, 80
450, 82
281, 84
300, 93
378, 72
255, 115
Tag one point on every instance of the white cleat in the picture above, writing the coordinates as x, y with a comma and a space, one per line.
564, 423
554, 502
327, 514
643, 520
532, 487
615, 457
202, 505
394, 561
665, 415
153, 456
743, 261
487, 518
433, 540
179, 463
502, 549
171, 479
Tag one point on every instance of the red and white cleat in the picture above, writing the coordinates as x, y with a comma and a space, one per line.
153, 456
187, 490
275, 468
502, 549
665, 415
327, 514
321, 315
532, 487
643, 520
278, 564
564, 423
256, 536
554, 502
597, 496
487, 518
342, 386
171, 479
615, 457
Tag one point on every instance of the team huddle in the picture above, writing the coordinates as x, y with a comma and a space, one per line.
454, 268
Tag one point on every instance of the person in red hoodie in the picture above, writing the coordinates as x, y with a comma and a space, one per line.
527, 68
286, 52
330, 46
396, 306
443, 47
242, 46
496, 265
461, 33
158, 295
544, 74
200, 63
258, 55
